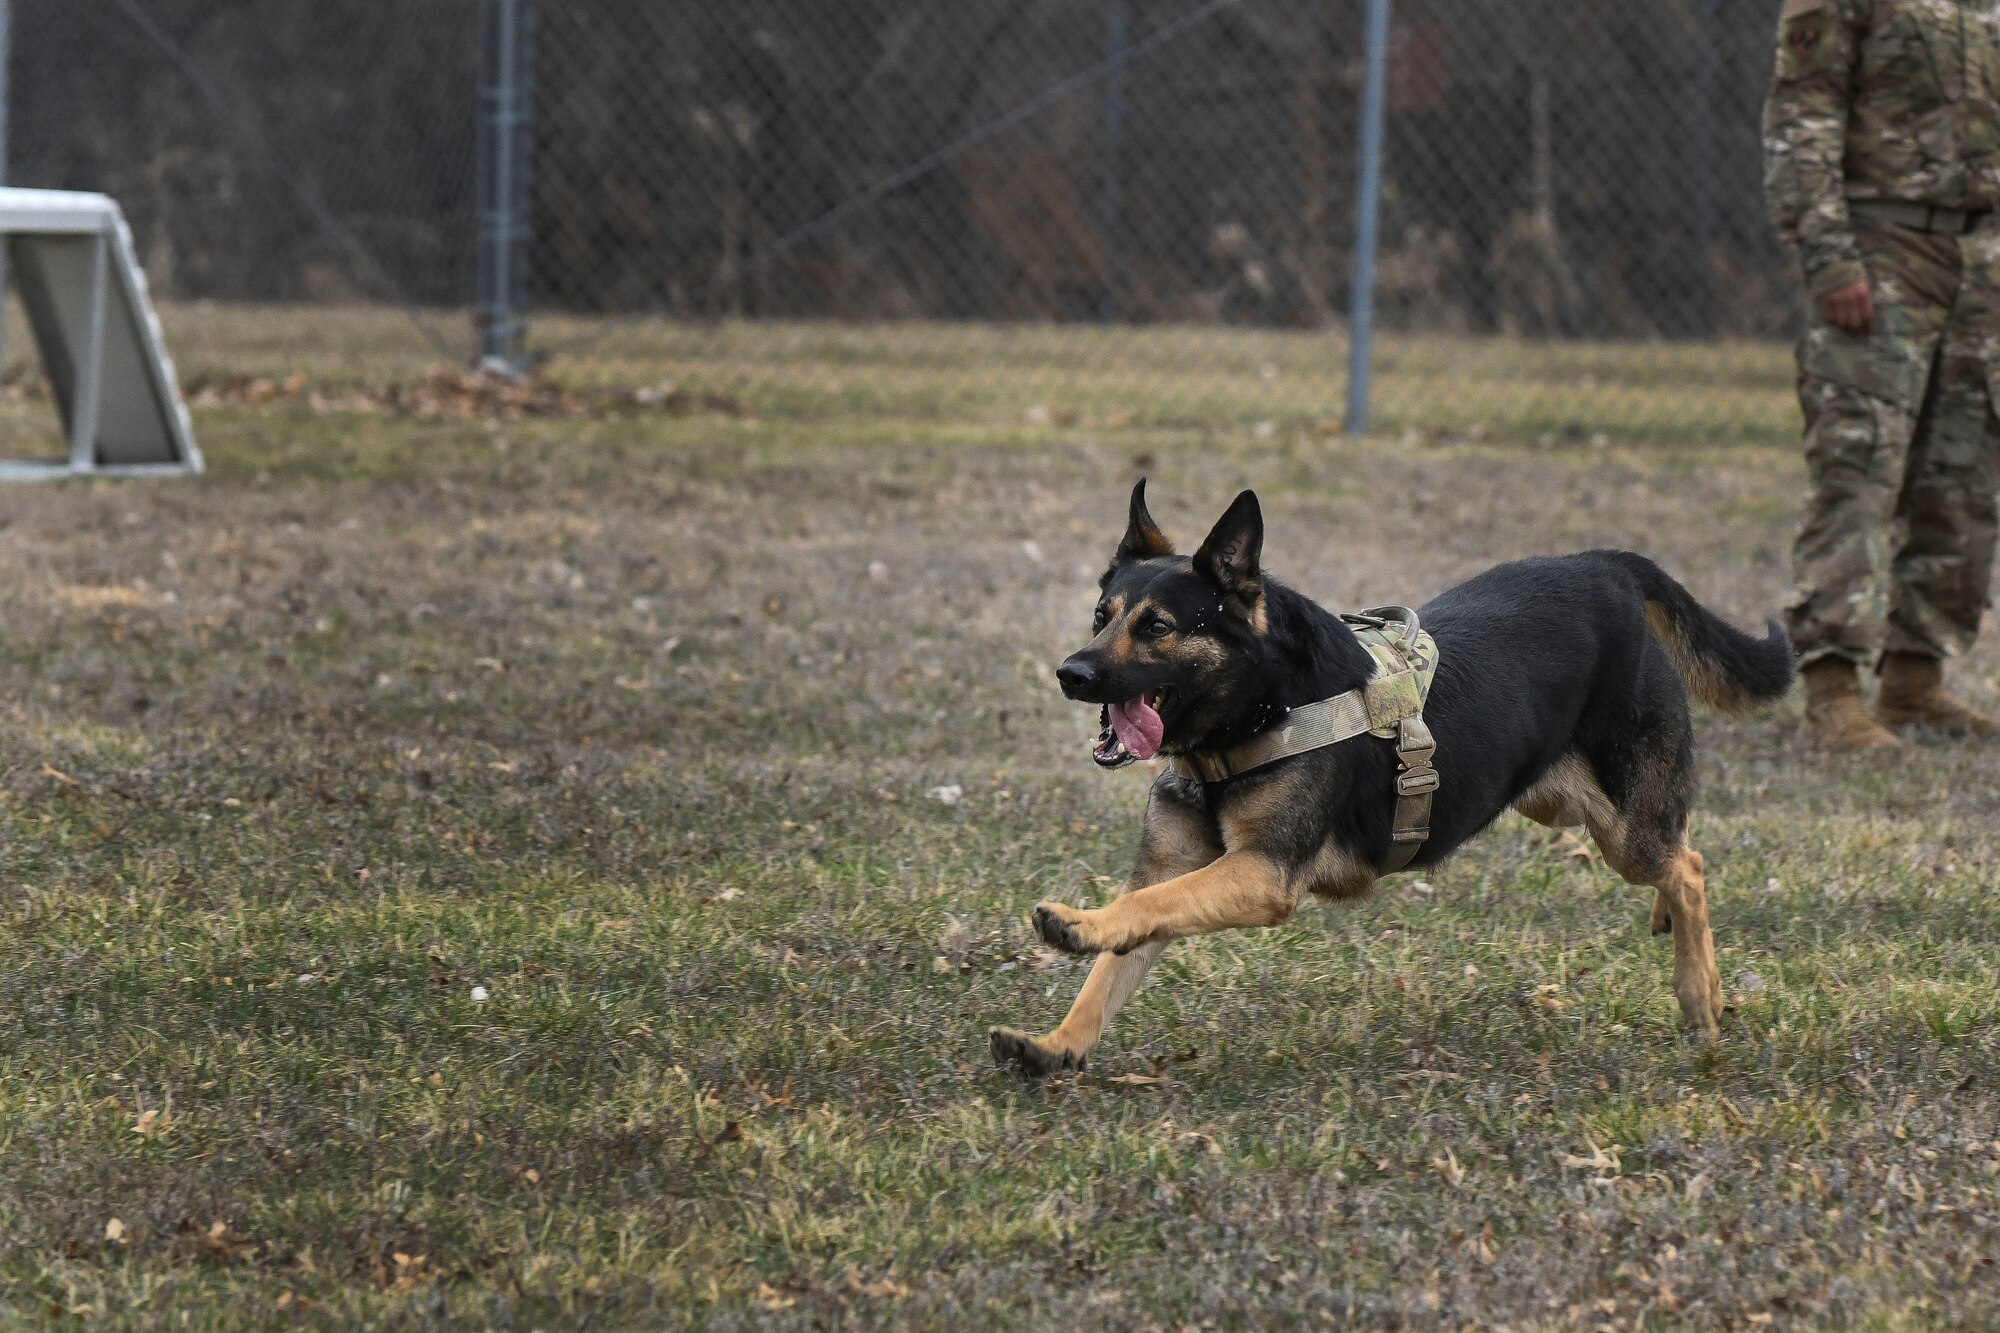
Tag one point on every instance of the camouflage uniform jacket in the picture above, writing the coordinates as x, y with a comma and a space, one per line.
1878, 99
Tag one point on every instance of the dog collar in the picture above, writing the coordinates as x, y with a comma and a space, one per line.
1390, 705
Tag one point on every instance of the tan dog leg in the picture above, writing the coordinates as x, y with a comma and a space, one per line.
1697, 984
1240, 890
1113, 978
1177, 840
1680, 908
1569, 794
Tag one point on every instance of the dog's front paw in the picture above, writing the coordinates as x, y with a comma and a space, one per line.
1030, 1056
1066, 928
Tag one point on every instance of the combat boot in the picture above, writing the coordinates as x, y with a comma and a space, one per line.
1835, 716
1913, 691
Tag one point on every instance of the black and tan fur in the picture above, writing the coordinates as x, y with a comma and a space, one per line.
1561, 690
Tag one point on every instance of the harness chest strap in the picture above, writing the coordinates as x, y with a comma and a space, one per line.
1390, 705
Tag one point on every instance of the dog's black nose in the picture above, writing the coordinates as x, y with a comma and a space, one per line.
1076, 674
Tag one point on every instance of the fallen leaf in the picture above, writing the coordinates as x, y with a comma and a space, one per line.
1600, 1159
60, 776
1139, 1080
1448, 1167
882, 1287
147, 1122
221, 1243
114, 1230
728, 895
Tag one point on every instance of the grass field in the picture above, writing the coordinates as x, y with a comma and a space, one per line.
485, 873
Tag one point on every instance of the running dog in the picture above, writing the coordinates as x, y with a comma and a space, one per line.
1560, 688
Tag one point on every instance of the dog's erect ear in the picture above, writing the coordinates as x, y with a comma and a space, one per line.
1229, 555
1143, 539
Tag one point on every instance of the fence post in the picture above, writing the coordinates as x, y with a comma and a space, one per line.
6, 54
505, 115
1368, 201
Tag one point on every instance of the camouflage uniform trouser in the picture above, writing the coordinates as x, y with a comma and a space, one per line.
1895, 552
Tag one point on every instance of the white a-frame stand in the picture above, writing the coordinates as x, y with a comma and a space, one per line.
70, 256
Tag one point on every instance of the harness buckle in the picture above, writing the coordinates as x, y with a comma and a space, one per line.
1414, 743
1411, 834
1416, 781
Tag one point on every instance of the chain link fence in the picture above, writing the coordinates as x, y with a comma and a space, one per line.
1104, 210
284, 151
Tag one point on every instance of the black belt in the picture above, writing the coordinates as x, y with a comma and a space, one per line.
1920, 217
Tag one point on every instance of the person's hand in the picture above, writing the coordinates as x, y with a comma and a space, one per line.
1850, 309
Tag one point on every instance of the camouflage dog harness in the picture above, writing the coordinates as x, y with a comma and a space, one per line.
1390, 705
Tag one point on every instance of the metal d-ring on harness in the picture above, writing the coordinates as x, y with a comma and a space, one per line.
1390, 705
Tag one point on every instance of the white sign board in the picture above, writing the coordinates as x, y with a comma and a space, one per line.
71, 261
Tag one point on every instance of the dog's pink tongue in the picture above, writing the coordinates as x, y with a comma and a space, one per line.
1138, 726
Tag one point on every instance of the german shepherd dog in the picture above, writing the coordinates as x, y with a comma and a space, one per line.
1561, 690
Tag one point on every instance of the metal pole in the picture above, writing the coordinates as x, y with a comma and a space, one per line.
1114, 143
503, 120
1368, 200
6, 54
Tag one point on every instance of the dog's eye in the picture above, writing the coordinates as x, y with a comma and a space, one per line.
1097, 621
1159, 629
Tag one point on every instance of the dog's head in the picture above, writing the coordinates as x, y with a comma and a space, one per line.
1178, 640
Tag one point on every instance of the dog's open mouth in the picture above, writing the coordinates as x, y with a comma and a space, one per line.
1130, 731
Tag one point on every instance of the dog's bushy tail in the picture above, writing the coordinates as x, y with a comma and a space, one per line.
1720, 664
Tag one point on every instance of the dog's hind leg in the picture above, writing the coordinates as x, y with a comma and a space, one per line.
1177, 840
1568, 796
1644, 839
1697, 983
1674, 871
